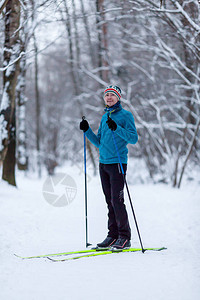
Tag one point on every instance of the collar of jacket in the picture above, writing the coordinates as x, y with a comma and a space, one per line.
114, 108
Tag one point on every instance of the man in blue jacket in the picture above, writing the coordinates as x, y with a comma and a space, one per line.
122, 123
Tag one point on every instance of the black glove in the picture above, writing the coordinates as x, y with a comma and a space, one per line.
111, 124
84, 125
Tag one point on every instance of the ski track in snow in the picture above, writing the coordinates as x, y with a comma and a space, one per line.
30, 226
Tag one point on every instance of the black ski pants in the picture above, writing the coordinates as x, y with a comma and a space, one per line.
112, 181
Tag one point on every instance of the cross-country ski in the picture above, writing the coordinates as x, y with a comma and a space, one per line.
91, 252
101, 253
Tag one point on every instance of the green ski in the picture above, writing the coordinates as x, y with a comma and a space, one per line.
63, 253
105, 252
91, 252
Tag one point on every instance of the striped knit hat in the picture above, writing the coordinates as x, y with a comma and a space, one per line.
113, 89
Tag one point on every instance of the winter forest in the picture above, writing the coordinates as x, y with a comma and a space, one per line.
57, 57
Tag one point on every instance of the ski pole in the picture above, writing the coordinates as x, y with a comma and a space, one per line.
129, 196
86, 217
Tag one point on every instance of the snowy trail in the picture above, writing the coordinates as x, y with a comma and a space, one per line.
29, 225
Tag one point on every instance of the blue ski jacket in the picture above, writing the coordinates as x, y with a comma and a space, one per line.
124, 134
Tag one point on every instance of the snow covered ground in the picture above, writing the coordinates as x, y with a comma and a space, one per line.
29, 225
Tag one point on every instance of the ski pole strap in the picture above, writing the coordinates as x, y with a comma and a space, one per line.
118, 152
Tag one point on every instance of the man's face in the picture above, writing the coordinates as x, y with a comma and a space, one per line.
110, 99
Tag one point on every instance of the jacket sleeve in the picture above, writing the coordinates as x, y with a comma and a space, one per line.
94, 139
129, 133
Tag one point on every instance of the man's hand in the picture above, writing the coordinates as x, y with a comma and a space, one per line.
111, 124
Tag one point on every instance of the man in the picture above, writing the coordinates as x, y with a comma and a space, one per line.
117, 128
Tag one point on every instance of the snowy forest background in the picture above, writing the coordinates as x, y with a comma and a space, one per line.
57, 57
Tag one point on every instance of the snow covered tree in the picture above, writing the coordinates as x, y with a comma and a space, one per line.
37, 93
149, 48
21, 155
3, 4
176, 109
8, 104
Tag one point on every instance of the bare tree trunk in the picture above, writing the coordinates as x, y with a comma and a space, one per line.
37, 96
37, 99
102, 41
187, 156
3, 6
71, 52
10, 160
99, 50
77, 46
22, 158
75, 63
86, 25
8, 105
